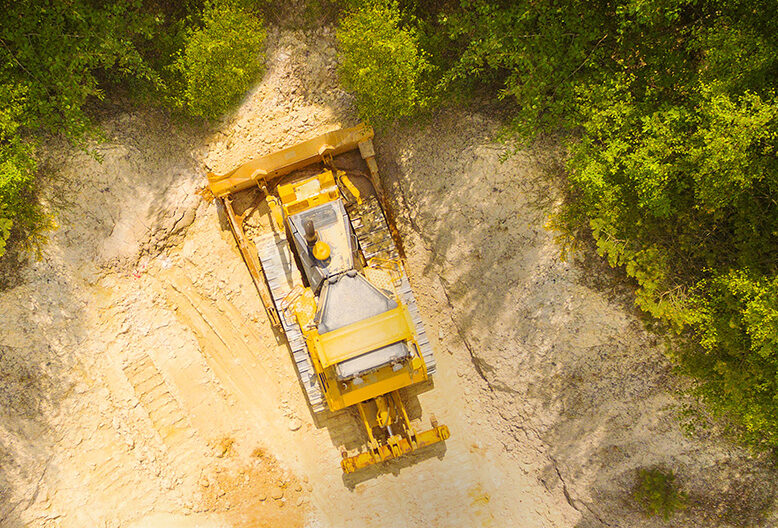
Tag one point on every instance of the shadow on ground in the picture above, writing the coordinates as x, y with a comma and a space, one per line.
558, 342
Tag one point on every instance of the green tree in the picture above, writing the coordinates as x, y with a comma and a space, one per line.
670, 112
221, 57
56, 58
53, 56
381, 62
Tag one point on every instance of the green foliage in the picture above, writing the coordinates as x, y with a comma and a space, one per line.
738, 364
53, 56
657, 493
221, 57
538, 54
381, 62
683, 196
674, 167
671, 116
676, 174
59, 50
16, 164
56, 58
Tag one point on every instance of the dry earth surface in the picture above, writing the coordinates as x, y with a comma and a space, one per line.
142, 385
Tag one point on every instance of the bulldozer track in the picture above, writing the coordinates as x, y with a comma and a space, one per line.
230, 350
376, 242
282, 276
105, 465
369, 224
406, 295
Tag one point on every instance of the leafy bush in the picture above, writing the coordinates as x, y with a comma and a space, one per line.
18, 212
537, 53
58, 57
657, 493
738, 361
671, 117
676, 174
16, 164
52, 55
381, 62
221, 57
684, 198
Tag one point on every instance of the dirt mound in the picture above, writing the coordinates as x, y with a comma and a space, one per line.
253, 492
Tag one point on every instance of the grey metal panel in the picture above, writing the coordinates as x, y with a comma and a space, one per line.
348, 298
375, 359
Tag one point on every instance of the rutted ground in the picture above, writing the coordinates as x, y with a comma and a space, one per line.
143, 386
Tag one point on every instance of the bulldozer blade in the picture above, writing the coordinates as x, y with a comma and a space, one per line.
284, 161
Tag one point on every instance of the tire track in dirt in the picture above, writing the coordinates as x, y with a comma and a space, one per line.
208, 396
107, 469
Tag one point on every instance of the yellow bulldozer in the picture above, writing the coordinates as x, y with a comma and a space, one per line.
331, 277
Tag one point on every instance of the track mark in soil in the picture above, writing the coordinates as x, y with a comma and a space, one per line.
166, 414
108, 474
228, 344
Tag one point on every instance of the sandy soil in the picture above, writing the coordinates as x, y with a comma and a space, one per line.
142, 385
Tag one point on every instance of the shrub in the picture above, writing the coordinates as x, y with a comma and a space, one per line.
672, 115
221, 57
16, 165
17, 210
53, 58
657, 493
381, 63
57, 58
683, 197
